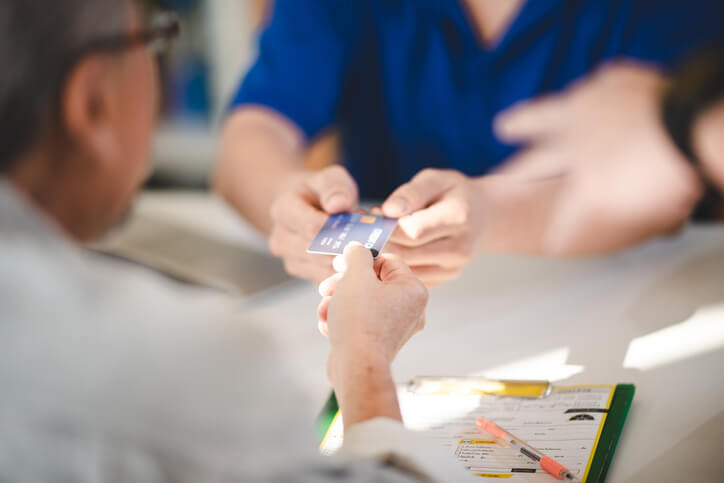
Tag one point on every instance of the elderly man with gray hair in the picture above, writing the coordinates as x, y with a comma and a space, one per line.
108, 373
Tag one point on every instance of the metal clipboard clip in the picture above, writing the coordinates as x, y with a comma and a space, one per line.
478, 386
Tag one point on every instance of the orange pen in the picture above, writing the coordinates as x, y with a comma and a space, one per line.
550, 465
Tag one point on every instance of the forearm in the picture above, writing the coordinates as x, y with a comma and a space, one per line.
366, 391
261, 154
521, 218
516, 213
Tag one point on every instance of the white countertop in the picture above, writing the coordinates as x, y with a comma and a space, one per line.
652, 316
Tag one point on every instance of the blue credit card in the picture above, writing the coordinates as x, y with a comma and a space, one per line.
370, 230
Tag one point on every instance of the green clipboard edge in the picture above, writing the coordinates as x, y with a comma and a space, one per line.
620, 405
325, 418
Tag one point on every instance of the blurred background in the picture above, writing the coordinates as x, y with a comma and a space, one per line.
217, 45
199, 76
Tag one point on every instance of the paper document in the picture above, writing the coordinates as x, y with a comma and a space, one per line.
566, 425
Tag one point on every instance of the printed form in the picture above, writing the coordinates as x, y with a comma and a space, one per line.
565, 425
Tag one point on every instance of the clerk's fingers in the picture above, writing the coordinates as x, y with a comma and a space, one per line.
284, 242
424, 189
447, 252
530, 120
309, 268
292, 249
446, 218
539, 162
392, 269
335, 189
434, 276
399, 237
297, 214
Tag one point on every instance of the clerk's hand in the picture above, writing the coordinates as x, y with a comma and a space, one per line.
369, 311
301, 210
624, 179
440, 223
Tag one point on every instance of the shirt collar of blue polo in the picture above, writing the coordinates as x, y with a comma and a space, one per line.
530, 13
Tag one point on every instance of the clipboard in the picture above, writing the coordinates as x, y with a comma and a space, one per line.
620, 405
607, 440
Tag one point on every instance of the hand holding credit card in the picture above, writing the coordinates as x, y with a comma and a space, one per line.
372, 231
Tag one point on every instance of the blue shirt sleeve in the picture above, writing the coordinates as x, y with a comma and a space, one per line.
303, 56
667, 31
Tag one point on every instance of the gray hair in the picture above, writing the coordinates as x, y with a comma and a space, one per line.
38, 38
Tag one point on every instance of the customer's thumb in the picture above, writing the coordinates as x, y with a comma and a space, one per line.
355, 261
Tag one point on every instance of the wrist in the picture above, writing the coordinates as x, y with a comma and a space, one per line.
365, 390
708, 143
694, 90
498, 196
484, 203
357, 364
517, 213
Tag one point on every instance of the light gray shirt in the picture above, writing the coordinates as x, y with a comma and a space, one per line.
109, 373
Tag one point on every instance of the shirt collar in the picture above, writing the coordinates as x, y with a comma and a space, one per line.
531, 13
19, 216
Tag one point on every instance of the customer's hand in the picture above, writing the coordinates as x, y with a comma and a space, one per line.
441, 217
369, 311
301, 210
625, 179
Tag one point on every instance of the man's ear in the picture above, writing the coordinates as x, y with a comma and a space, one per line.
87, 110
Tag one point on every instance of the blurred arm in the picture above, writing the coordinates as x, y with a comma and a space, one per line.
287, 99
621, 179
523, 212
261, 155
708, 139
518, 213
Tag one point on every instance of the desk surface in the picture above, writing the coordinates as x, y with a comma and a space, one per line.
653, 316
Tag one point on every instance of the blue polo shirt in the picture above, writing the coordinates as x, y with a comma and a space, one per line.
410, 86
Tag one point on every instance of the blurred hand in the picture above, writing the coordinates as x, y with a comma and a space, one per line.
369, 311
441, 222
625, 180
301, 210
708, 140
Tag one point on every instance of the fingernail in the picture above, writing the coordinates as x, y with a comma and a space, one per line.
339, 264
351, 244
395, 207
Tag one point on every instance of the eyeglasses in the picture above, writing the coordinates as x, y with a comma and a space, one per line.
162, 28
